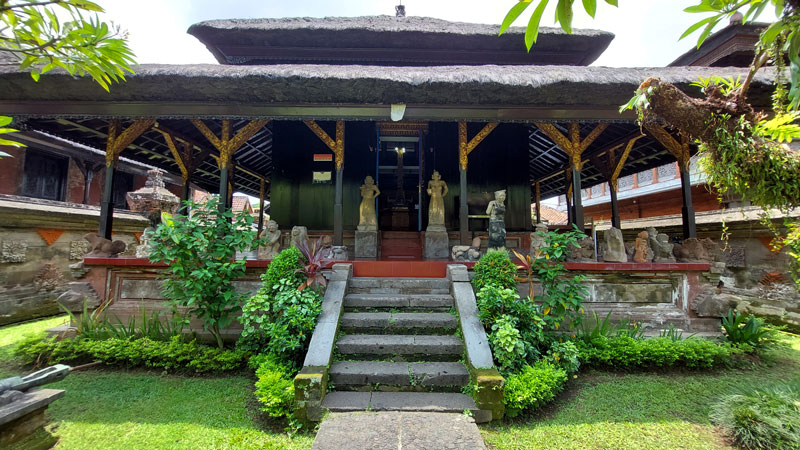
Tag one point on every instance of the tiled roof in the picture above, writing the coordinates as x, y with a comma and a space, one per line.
550, 215
241, 203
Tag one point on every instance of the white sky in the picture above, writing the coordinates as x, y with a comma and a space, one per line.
647, 31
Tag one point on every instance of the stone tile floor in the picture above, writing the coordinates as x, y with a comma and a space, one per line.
398, 431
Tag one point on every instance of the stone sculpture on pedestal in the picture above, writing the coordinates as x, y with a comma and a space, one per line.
661, 247
153, 196
367, 231
497, 220
614, 246
271, 234
103, 248
436, 240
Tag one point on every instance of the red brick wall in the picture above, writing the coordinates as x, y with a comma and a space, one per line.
657, 204
74, 192
11, 170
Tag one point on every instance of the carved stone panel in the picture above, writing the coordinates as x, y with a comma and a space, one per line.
625, 183
14, 251
645, 177
667, 172
77, 249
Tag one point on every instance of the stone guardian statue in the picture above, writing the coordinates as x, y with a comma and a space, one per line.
271, 235
367, 218
437, 189
497, 220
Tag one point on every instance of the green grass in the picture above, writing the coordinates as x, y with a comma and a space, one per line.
115, 409
644, 410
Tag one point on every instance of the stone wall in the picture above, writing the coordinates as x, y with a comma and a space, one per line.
39, 239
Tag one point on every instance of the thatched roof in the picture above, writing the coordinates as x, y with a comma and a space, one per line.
389, 40
242, 91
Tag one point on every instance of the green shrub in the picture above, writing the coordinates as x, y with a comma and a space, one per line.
761, 418
596, 328
564, 355
172, 355
742, 329
625, 352
533, 387
274, 388
285, 266
495, 268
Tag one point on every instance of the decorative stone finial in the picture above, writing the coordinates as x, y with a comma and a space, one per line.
400, 10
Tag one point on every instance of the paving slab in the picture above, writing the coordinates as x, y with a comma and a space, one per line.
393, 430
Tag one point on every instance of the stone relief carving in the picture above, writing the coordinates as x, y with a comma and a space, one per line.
14, 251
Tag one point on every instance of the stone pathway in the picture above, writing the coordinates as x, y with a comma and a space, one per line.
395, 430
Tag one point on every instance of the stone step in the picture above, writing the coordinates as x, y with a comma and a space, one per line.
370, 374
366, 301
400, 347
338, 401
399, 323
400, 285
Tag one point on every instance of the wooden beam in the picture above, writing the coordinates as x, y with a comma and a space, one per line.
680, 150
335, 145
619, 163
466, 146
117, 139
572, 146
225, 144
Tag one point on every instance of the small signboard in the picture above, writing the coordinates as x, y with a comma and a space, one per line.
322, 157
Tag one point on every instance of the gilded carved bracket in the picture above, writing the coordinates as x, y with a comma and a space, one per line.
225, 144
572, 146
465, 147
118, 140
680, 150
336, 145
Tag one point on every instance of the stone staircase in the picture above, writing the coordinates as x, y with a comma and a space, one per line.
399, 349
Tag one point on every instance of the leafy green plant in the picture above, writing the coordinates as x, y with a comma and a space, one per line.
673, 333
495, 268
743, 329
275, 388
172, 355
294, 316
4, 122
761, 417
316, 259
533, 386
199, 251
564, 354
508, 347
624, 352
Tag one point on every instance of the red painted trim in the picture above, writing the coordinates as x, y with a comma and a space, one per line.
430, 269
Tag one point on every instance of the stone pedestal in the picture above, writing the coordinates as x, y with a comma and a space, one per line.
366, 244
437, 244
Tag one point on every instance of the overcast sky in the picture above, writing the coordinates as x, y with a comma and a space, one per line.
647, 31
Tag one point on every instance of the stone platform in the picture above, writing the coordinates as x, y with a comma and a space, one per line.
397, 430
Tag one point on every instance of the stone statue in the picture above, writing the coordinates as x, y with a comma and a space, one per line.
145, 247
103, 248
641, 249
691, 250
271, 235
467, 252
367, 219
437, 189
614, 246
497, 220
584, 252
661, 247
299, 234
538, 241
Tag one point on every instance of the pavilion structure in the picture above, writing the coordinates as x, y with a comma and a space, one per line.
300, 111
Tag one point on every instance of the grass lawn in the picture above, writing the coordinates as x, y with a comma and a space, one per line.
603, 410
115, 409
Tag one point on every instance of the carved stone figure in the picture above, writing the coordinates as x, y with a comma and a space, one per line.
271, 234
641, 248
103, 248
538, 241
663, 249
497, 220
467, 252
437, 189
583, 253
367, 219
299, 234
614, 246
691, 250
144, 248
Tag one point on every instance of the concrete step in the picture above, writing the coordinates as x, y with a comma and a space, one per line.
399, 285
338, 401
400, 347
399, 323
378, 374
363, 301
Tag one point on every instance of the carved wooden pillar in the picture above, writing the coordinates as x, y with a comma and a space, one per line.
117, 141
538, 190
465, 147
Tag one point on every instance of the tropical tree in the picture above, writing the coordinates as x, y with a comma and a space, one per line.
743, 150
47, 34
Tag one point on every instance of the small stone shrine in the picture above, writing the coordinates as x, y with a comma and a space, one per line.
271, 234
154, 196
497, 220
614, 246
367, 230
436, 241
